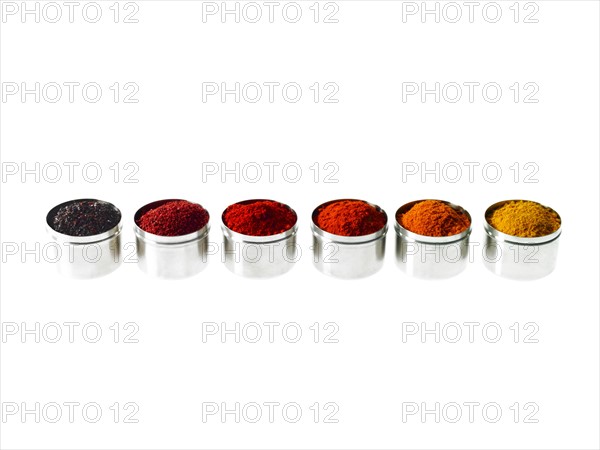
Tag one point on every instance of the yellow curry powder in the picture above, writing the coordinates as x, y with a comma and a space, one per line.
523, 218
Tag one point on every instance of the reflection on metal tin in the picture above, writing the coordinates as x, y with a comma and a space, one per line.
348, 256
170, 257
91, 255
261, 256
519, 258
431, 257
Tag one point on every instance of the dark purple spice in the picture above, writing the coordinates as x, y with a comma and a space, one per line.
86, 218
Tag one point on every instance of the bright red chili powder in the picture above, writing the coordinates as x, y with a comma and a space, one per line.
259, 218
350, 218
174, 218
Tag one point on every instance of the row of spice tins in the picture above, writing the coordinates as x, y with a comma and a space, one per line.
259, 238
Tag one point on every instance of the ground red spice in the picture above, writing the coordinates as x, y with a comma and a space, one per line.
174, 218
434, 218
350, 218
259, 217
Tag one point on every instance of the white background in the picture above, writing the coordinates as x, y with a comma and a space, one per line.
369, 133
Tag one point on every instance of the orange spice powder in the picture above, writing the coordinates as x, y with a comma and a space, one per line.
434, 218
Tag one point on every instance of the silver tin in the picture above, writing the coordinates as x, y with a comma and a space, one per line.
86, 256
259, 256
348, 256
431, 257
519, 258
170, 257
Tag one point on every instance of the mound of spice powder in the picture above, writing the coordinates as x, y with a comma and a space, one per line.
350, 218
523, 218
259, 218
434, 218
174, 218
86, 218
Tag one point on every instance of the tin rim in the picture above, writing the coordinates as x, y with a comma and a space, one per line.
499, 236
318, 231
401, 231
92, 239
158, 239
270, 239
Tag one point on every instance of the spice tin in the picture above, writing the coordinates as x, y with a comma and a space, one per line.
170, 257
86, 256
348, 256
259, 256
431, 257
519, 258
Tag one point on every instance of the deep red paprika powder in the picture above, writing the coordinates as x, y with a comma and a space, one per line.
350, 218
174, 218
259, 217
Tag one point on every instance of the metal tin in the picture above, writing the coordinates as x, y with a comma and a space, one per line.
348, 256
519, 258
170, 257
431, 257
86, 256
259, 256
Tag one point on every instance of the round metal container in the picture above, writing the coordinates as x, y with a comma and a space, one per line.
431, 257
86, 256
519, 258
170, 257
348, 256
259, 256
